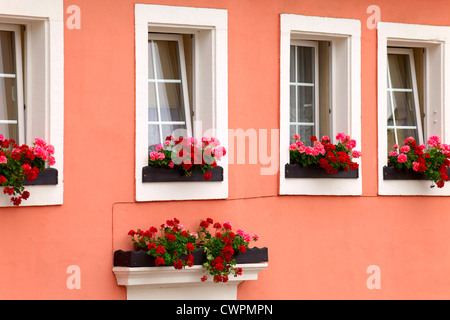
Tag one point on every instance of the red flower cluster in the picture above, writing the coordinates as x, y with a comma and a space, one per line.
170, 246
432, 161
221, 248
187, 154
18, 163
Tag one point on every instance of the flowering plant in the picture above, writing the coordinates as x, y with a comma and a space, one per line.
220, 247
169, 248
18, 163
331, 157
186, 154
432, 161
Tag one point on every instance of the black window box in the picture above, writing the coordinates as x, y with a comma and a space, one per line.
392, 173
154, 174
47, 177
315, 171
140, 258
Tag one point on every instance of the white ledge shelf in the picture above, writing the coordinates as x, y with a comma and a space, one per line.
167, 283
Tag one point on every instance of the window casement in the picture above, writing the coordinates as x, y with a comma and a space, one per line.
319, 92
404, 115
32, 84
304, 89
413, 67
181, 90
12, 124
168, 105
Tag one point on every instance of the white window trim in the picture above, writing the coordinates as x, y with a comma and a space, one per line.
51, 13
184, 19
347, 35
436, 40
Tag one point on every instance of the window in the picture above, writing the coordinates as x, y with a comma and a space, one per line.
168, 106
404, 115
181, 86
11, 84
32, 83
413, 66
319, 92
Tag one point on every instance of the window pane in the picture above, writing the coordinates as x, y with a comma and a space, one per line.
7, 52
402, 134
8, 110
292, 131
293, 102
306, 132
153, 134
292, 65
151, 69
305, 104
167, 59
152, 105
404, 108
305, 64
9, 131
399, 69
170, 101
169, 129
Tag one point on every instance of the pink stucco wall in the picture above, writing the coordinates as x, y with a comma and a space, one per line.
319, 247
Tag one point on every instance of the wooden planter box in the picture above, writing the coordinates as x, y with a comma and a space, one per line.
47, 177
140, 258
391, 173
154, 174
297, 171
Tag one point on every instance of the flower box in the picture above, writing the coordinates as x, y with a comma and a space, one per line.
315, 171
140, 258
163, 174
47, 177
392, 173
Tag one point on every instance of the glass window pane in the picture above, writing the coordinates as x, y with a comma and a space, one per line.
9, 131
400, 71
391, 139
292, 105
292, 131
151, 69
7, 59
306, 132
171, 102
8, 110
402, 134
152, 105
404, 108
305, 104
153, 134
305, 64
167, 59
174, 130
292, 65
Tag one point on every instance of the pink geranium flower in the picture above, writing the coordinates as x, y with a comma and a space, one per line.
402, 158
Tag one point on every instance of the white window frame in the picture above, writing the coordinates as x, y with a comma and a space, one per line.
44, 83
315, 85
18, 76
210, 28
435, 40
345, 38
182, 81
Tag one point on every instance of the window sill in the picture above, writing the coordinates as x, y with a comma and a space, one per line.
47, 177
297, 171
145, 282
153, 174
